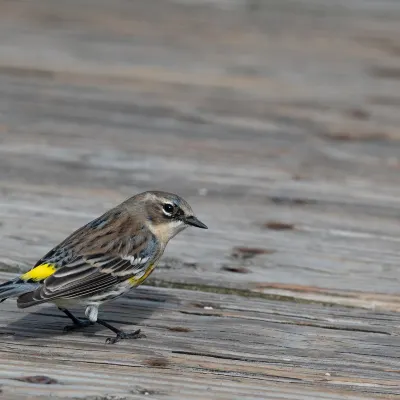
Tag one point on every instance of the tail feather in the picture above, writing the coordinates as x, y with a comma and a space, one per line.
15, 288
28, 299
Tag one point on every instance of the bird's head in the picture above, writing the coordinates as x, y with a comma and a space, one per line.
167, 214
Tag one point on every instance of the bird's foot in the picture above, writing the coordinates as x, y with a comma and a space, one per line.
79, 324
121, 335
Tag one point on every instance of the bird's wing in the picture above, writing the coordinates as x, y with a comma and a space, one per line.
100, 260
91, 274
68, 250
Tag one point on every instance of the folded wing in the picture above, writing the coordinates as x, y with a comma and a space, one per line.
93, 260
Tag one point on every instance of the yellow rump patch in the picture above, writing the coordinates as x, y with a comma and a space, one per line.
39, 273
136, 281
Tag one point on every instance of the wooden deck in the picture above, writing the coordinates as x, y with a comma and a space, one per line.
279, 122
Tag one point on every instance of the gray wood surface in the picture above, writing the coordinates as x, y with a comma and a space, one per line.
205, 345
278, 121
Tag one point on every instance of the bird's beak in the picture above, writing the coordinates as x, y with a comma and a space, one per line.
193, 221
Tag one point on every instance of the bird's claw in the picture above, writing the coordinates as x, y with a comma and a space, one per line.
122, 335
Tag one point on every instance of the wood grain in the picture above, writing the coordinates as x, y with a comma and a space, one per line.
278, 122
230, 347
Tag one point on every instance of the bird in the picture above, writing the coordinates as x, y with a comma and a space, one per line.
104, 259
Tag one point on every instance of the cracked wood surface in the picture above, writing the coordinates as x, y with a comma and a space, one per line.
278, 121
204, 345
89, 119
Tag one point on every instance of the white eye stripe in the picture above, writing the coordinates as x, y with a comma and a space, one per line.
167, 213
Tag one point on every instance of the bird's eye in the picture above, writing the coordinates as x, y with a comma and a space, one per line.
168, 209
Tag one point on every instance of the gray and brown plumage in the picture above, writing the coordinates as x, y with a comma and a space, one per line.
105, 258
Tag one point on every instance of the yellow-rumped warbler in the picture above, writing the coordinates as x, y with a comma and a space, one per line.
105, 258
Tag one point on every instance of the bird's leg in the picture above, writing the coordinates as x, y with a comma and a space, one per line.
78, 323
120, 334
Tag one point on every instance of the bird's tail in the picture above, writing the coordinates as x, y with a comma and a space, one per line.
15, 288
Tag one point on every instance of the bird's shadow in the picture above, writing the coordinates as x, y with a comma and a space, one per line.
128, 313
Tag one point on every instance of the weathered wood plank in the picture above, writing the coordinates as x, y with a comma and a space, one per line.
278, 121
229, 345
143, 117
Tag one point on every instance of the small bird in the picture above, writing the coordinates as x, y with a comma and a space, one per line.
104, 259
